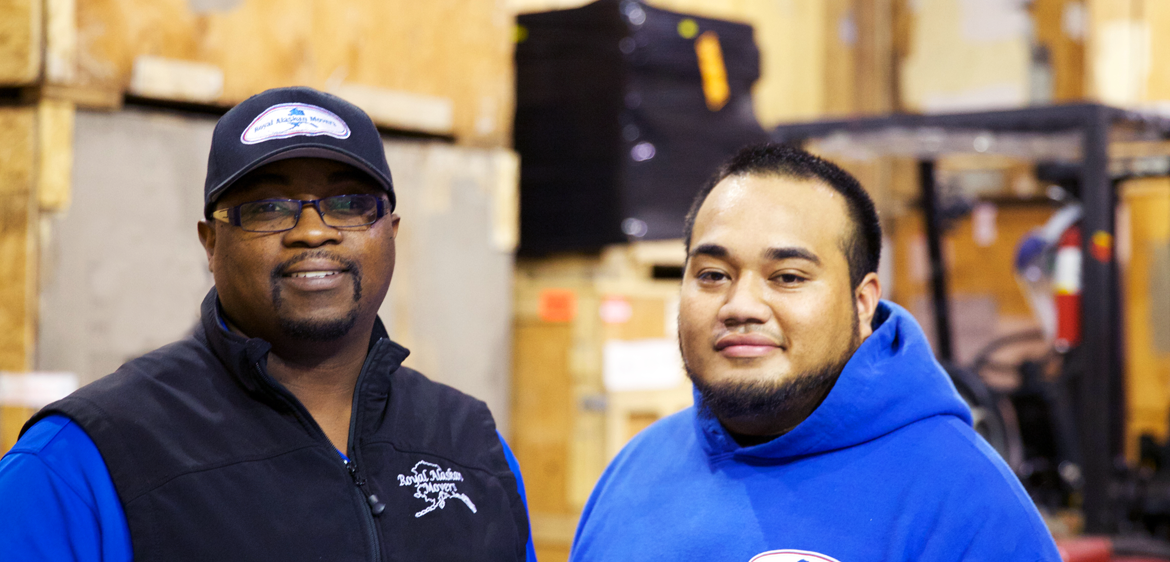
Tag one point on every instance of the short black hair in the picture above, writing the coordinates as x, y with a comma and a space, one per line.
862, 246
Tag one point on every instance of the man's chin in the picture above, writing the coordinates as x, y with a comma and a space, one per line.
318, 329
753, 397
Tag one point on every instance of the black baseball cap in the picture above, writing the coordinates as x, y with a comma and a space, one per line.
295, 122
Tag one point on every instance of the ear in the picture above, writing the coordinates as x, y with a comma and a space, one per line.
866, 298
394, 220
207, 238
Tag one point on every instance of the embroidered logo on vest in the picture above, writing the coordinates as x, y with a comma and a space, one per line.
791, 556
434, 485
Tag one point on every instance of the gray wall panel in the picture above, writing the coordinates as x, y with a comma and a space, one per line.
123, 271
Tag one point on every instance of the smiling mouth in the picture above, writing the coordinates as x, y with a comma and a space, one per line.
314, 274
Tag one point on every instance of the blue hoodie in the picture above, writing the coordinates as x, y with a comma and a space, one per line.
887, 468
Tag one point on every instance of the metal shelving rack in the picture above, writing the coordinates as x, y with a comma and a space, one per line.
1078, 134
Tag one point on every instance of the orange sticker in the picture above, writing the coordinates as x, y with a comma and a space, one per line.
714, 72
1102, 246
557, 305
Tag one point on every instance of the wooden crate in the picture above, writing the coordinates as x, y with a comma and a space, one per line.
1143, 252
441, 66
566, 424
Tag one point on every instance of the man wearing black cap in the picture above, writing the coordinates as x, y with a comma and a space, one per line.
284, 427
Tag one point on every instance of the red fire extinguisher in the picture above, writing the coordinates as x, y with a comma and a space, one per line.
1066, 280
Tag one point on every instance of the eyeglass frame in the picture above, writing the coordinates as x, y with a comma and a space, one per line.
231, 215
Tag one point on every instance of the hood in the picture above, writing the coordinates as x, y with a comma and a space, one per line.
891, 381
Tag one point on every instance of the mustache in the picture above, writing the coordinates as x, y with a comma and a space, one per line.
743, 329
282, 268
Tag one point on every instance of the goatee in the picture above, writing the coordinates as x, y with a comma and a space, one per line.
729, 400
317, 330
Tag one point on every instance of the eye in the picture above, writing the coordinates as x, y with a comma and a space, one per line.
789, 278
351, 205
711, 276
263, 209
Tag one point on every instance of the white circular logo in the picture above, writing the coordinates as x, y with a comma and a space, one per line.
291, 120
789, 555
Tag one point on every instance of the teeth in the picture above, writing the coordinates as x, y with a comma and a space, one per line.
314, 274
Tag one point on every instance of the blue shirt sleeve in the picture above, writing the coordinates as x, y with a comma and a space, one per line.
59, 501
515, 466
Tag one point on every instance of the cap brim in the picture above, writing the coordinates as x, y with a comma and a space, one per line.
301, 151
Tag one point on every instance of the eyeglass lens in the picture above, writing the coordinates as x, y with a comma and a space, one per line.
272, 215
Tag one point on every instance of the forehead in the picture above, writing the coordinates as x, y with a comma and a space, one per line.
298, 176
772, 211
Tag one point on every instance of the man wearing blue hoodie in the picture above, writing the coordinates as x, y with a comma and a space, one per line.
823, 428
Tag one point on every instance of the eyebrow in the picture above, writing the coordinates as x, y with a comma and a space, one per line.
713, 250
773, 254
777, 254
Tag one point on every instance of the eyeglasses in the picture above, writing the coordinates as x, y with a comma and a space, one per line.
278, 215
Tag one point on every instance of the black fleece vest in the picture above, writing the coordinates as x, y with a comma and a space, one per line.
214, 460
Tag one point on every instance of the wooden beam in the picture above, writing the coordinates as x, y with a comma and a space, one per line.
21, 32
85, 97
54, 154
18, 252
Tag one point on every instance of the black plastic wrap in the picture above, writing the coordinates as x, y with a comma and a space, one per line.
596, 88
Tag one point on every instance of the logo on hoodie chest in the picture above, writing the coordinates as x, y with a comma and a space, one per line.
789, 555
435, 485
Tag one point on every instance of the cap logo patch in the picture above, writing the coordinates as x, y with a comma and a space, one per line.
294, 119
788, 555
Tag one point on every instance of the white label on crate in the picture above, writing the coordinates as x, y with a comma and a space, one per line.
616, 310
983, 228
35, 390
651, 364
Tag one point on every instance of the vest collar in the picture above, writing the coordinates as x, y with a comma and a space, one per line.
241, 355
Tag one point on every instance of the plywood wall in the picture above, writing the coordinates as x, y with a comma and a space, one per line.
965, 55
459, 50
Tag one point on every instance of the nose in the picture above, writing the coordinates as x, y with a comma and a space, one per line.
311, 230
745, 303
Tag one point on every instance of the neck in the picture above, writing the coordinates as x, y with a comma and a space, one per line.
322, 375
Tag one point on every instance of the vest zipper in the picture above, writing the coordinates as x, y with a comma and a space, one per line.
375, 507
